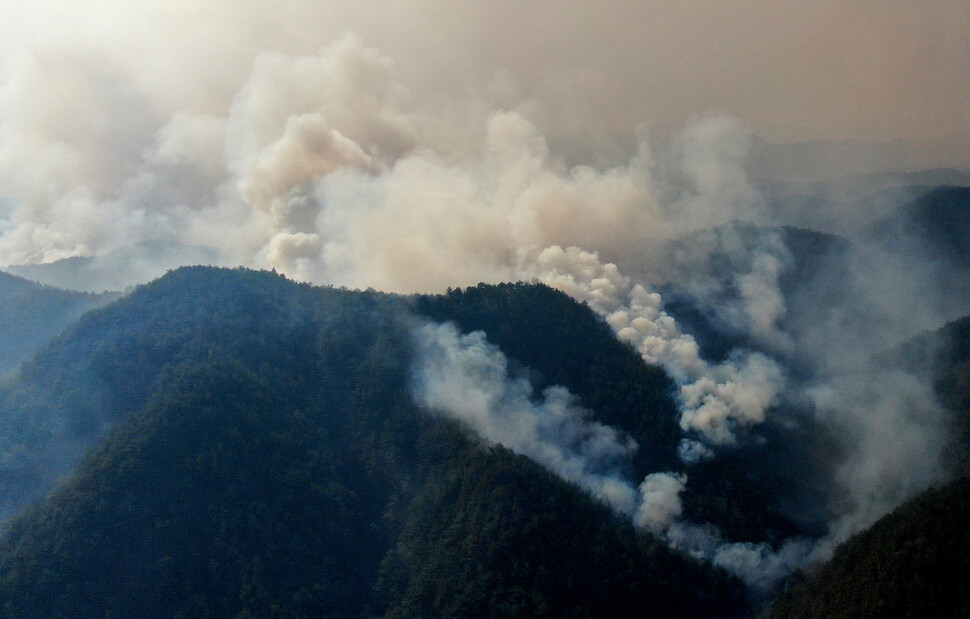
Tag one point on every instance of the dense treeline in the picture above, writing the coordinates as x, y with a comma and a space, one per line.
228, 496
257, 454
498, 538
911, 563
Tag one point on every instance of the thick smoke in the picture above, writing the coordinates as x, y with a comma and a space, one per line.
467, 379
713, 396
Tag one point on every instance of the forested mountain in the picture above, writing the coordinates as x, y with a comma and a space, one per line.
231, 443
255, 451
31, 314
911, 563
940, 219
562, 343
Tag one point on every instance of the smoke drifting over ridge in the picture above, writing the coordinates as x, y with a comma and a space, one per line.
465, 377
273, 137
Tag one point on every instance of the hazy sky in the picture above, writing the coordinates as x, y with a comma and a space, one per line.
794, 70
225, 122
790, 69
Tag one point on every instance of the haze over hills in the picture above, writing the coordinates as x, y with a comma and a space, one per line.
117, 270
32, 314
914, 560
501, 279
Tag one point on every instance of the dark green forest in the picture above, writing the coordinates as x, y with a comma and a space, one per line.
229, 443
238, 445
912, 563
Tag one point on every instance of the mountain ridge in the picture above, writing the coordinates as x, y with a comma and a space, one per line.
244, 417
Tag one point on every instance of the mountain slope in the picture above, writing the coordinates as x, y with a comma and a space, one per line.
912, 563
107, 365
32, 314
257, 453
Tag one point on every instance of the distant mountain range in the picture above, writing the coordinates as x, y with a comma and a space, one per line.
31, 314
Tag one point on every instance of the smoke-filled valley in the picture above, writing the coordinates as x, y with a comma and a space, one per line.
484, 326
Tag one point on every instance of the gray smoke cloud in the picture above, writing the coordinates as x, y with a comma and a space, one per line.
891, 426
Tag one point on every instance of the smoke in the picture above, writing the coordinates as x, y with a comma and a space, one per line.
890, 425
761, 566
898, 411
467, 379
714, 397
660, 503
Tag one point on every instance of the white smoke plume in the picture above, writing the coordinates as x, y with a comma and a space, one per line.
660, 504
467, 379
713, 396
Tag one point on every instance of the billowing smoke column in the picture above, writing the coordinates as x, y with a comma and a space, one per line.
467, 379
739, 390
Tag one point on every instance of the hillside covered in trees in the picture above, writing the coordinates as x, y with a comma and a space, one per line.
31, 314
231, 443
911, 563
236, 444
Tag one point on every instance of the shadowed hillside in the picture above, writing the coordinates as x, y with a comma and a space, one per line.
255, 451
32, 314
